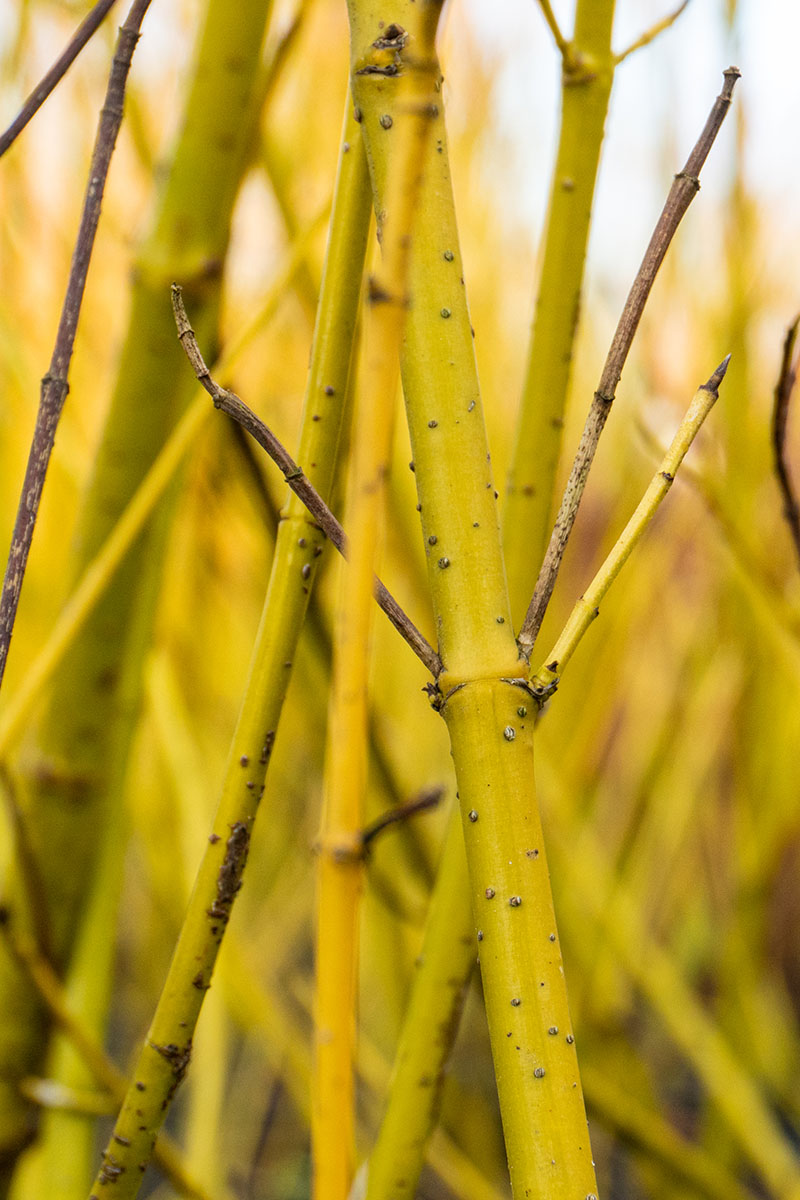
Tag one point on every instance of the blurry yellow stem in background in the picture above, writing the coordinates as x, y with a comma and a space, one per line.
340, 847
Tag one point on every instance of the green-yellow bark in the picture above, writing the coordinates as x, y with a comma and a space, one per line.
587, 77
482, 685
76, 756
165, 1055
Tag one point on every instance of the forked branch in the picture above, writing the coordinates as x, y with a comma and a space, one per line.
583, 614
231, 404
50, 989
684, 188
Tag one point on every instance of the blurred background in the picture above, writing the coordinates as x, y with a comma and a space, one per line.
667, 761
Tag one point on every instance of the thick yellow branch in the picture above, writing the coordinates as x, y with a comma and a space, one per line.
483, 686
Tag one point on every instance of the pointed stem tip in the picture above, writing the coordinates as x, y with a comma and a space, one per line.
716, 379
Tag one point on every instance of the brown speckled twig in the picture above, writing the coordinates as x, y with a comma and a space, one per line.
85, 31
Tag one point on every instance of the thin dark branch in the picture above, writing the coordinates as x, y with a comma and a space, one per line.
421, 803
684, 188
231, 404
85, 31
780, 416
55, 383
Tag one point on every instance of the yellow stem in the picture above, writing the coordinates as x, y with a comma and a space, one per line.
339, 845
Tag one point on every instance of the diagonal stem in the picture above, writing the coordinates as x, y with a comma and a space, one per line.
780, 416
230, 403
51, 990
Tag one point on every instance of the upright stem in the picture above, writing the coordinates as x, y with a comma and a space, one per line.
483, 686
585, 92
55, 384
72, 762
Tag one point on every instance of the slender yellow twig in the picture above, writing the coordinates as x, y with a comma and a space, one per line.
99, 572
294, 475
164, 1058
527, 512
443, 969
587, 608
651, 34
780, 415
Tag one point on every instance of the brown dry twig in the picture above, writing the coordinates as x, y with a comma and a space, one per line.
231, 404
684, 188
83, 34
55, 384
780, 416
